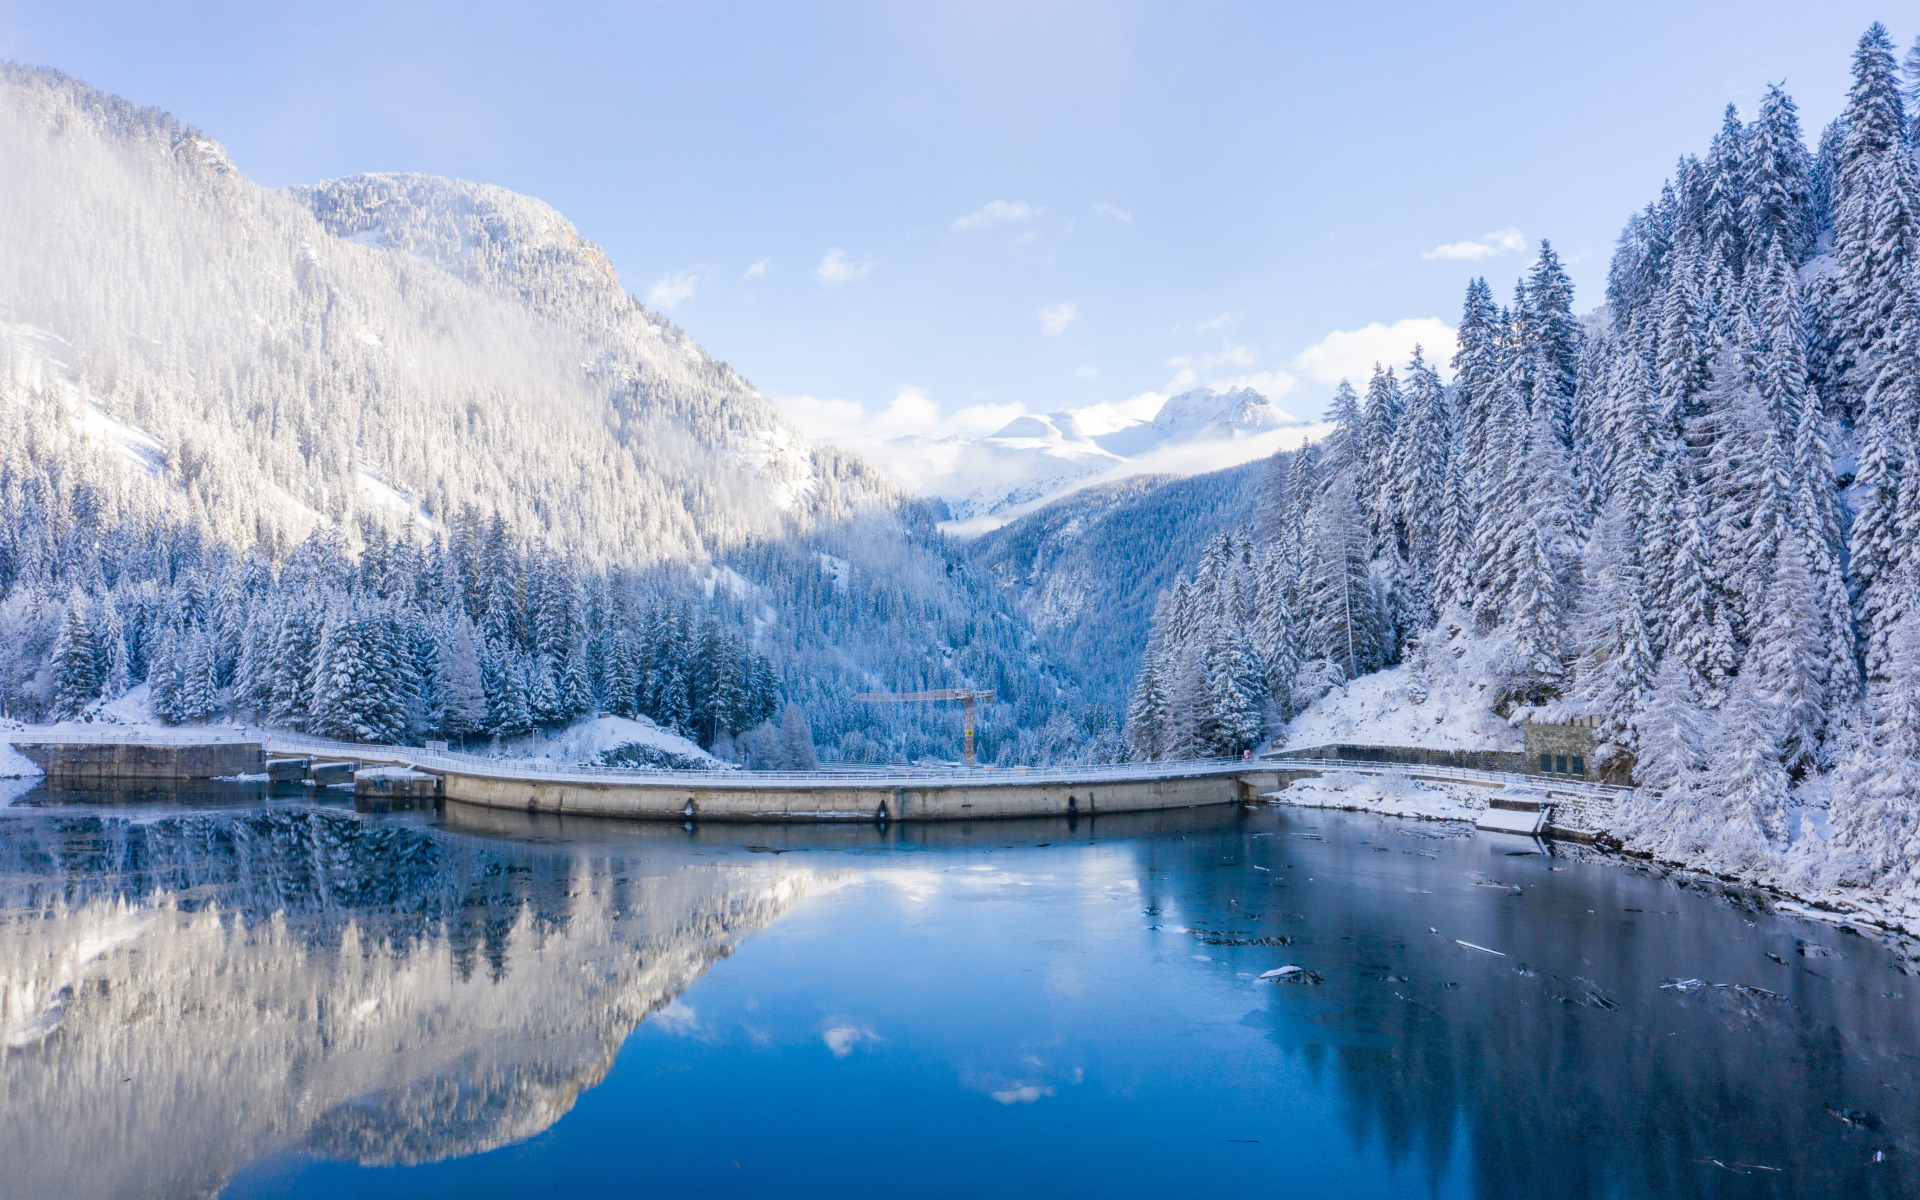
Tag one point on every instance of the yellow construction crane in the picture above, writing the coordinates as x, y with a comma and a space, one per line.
966, 697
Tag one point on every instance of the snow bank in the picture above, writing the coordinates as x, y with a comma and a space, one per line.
388, 772
1440, 699
18, 775
1389, 795
15, 765
133, 708
620, 741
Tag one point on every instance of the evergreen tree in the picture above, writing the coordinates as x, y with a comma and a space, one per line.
76, 669
462, 709
1787, 662
797, 737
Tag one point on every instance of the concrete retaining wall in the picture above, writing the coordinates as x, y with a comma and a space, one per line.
87, 766
1472, 760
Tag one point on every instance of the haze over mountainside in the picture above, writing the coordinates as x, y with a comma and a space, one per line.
988, 480
1086, 570
394, 456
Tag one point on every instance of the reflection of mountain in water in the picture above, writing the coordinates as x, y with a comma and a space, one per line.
181, 996
1565, 1068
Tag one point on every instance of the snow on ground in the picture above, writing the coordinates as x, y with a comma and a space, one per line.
1388, 795
1440, 699
15, 765
593, 741
384, 772
18, 775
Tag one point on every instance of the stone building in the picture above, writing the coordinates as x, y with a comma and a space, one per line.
1560, 744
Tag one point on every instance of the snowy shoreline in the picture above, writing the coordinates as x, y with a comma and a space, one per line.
1432, 800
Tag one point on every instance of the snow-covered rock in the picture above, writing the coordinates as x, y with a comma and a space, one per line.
1441, 699
619, 741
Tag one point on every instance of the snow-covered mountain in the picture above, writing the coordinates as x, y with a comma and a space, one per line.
199, 374
392, 348
1033, 459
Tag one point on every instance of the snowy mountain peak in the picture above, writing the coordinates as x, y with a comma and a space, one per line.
1041, 456
1233, 412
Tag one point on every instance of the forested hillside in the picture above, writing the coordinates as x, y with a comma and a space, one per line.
288, 448
1691, 514
1086, 570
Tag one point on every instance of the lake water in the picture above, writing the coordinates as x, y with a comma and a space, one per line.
233, 995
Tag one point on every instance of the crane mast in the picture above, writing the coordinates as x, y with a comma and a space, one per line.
966, 697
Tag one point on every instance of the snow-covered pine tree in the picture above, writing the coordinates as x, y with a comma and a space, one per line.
1787, 662
75, 662
1749, 783
1671, 739
462, 698
1344, 450
1876, 206
1778, 205
116, 664
1875, 814
1617, 663
165, 677
796, 736
1340, 609
199, 690
1148, 710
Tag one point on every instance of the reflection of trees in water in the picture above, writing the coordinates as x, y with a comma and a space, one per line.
184, 995
1522, 1067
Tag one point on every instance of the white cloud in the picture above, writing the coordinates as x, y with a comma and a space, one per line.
843, 1038
996, 213
1350, 354
1229, 356
1025, 1094
1500, 241
1271, 384
1055, 318
911, 412
677, 1017
1118, 214
822, 418
758, 269
1087, 371
836, 268
672, 289
1223, 321
977, 420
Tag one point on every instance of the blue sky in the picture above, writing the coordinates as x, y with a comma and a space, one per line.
932, 217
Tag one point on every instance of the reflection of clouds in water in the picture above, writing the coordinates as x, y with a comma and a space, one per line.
841, 1039
677, 1017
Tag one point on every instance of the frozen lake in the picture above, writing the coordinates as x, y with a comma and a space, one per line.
257, 997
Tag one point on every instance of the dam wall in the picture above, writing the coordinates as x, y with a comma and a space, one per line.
90, 765
731, 798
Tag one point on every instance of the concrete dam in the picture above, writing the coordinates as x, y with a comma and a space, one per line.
85, 759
